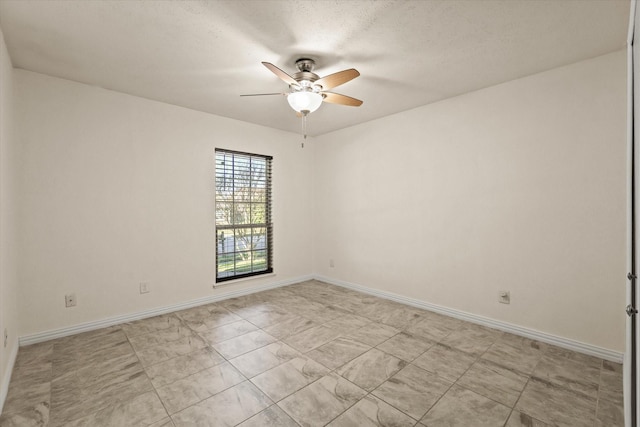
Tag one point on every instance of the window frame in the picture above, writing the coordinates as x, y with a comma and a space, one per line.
232, 224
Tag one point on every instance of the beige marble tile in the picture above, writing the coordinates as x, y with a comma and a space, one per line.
254, 309
556, 405
273, 416
518, 419
281, 381
27, 395
372, 412
72, 353
139, 410
163, 336
104, 371
35, 354
152, 355
471, 339
371, 369
202, 385
445, 361
494, 381
400, 317
80, 361
406, 346
373, 333
206, 317
151, 324
271, 317
263, 359
291, 300
90, 340
219, 316
611, 382
375, 308
242, 344
352, 304
435, 326
609, 414
569, 374
278, 294
182, 366
462, 407
311, 338
319, 313
165, 422
322, 401
412, 390
290, 327
612, 367
37, 415
33, 372
228, 331
338, 352
591, 361
523, 342
245, 305
71, 403
193, 316
227, 408
523, 355
347, 323
96, 377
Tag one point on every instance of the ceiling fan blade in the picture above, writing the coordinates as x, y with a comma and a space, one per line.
336, 98
281, 74
264, 94
336, 79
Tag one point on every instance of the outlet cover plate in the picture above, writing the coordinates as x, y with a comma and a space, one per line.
504, 297
70, 300
144, 287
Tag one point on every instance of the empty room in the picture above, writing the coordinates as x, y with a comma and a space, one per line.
309, 213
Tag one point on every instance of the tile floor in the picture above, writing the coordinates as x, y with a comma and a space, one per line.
309, 354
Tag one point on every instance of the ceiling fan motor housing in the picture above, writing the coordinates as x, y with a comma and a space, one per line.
305, 64
305, 76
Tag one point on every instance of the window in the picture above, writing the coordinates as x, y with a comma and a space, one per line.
243, 215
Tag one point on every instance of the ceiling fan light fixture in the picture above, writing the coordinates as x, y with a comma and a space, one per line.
305, 101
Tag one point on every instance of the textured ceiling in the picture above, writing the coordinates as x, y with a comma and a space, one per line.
204, 54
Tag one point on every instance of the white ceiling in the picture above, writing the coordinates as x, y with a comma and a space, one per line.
204, 54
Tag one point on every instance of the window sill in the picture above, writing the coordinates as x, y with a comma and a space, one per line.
242, 279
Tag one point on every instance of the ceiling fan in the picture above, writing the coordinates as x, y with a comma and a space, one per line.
307, 90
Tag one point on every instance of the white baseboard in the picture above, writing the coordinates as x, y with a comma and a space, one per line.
115, 320
4, 387
577, 346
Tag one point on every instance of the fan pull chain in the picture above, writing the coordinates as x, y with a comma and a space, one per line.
304, 127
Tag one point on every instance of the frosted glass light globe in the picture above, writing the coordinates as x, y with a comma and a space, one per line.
305, 101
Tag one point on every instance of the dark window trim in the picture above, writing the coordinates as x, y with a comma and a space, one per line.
244, 275
268, 224
243, 153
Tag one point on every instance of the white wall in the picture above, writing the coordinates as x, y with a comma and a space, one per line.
117, 190
517, 187
8, 265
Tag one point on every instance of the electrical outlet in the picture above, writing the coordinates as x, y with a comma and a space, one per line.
70, 300
144, 287
504, 297
331, 263
6, 337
